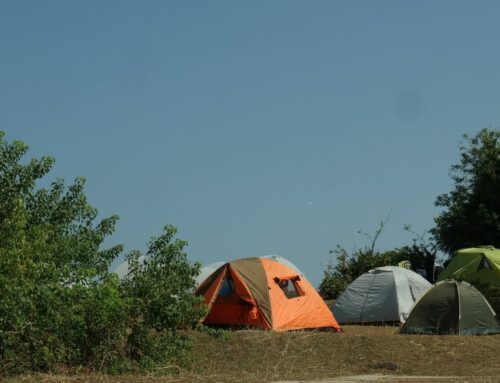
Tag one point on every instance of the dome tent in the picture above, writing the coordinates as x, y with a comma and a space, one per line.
452, 307
474, 264
383, 294
206, 271
263, 293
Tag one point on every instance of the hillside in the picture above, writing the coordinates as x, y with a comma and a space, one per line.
257, 356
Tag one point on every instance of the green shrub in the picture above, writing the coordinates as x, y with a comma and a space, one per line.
161, 302
58, 303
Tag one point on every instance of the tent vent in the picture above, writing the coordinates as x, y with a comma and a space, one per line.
484, 264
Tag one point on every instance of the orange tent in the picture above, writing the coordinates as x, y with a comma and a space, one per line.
263, 293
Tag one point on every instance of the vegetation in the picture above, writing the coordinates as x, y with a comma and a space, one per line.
161, 302
471, 211
58, 303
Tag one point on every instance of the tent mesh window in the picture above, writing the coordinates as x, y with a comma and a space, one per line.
290, 287
484, 264
226, 287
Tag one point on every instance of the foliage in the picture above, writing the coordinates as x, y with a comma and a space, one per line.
161, 296
58, 303
50, 258
471, 215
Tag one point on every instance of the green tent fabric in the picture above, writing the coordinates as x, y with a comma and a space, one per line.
452, 307
478, 263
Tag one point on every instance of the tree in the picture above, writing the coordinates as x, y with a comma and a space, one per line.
58, 303
51, 264
471, 211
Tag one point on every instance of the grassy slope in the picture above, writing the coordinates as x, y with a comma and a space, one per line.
251, 356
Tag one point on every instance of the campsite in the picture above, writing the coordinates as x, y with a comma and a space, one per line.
438, 340
392, 315
249, 191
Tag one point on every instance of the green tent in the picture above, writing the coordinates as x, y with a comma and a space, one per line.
452, 307
478, 263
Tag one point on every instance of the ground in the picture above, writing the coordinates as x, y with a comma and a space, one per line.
359, 354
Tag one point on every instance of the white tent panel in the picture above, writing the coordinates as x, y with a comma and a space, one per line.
384, 294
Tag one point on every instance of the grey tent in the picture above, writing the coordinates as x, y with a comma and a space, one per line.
383, 294
452, 307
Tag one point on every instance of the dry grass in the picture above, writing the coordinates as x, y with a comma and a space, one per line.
257, 356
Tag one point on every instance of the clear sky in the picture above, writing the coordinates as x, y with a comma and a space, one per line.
255, 127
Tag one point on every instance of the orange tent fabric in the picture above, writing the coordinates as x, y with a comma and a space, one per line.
263, 293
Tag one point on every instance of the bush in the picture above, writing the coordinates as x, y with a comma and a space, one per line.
58, 303
161, 301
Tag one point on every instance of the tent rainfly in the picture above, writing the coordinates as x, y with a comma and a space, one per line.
206, 271
263, 293
383, 294
474, 264
452, 307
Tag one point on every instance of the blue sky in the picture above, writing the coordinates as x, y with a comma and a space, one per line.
255, 127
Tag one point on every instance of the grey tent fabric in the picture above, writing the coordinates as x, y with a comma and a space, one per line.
383, 294
452, 307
